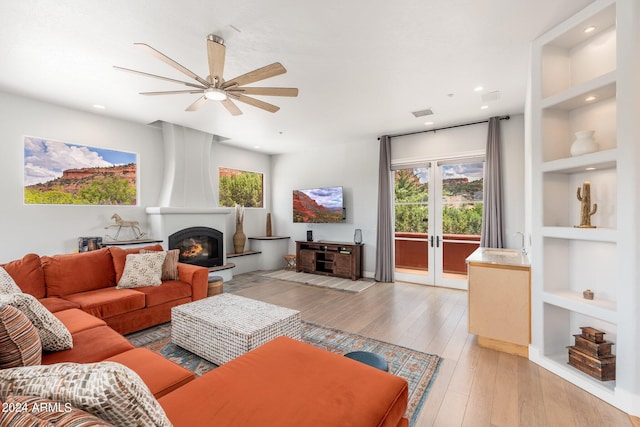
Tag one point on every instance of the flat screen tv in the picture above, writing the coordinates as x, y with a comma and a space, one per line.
319, 205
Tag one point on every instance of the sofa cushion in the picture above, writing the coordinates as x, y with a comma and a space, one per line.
7, 284
119, 256
149, 364
274, 385
170, 264
53, 334
108, 302
19, 340
28, 274
108, 390
31, 414
90, 345
54, 304
169, 291
72, 273
142, 270
77, 320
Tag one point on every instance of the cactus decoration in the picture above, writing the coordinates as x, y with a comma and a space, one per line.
586, 210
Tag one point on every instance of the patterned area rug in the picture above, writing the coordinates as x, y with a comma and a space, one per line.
329, 282
419, 369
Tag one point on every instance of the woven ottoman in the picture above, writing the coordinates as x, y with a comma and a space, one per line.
223, 327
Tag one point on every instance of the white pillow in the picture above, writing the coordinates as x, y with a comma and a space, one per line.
142, 270
7, 284
108, 390
53, 334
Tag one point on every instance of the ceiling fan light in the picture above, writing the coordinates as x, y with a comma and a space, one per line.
215, 94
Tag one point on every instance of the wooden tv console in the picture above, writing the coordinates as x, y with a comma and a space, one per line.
330, 258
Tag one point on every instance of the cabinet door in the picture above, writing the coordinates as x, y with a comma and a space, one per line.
342, 265
307, 260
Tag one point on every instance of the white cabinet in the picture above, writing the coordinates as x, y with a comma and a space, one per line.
587, 81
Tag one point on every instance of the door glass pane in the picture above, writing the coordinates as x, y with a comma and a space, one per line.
462, 188
411, 219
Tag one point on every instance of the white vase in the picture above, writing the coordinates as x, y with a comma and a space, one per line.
584, 143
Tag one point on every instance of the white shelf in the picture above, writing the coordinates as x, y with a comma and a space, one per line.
573, 301
602, 87
592, 234
606, 159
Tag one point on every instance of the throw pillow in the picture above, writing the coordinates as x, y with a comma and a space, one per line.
53, 334
7, 284
33, 411
142, 270
19, 340
108, 390
170, 264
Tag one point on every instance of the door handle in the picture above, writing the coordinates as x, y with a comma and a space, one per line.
437, 241
431, 240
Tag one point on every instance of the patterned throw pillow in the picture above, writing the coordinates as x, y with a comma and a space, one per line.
19, 340
170, 264
7, 284
142, 270
108, 390
32, 411
53, 334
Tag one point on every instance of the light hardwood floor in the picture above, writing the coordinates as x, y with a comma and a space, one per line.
475, 386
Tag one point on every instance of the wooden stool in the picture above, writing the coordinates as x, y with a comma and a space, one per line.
291, 262
215, 286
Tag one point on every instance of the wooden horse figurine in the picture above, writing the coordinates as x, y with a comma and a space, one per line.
134, 225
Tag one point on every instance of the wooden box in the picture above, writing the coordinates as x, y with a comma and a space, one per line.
603, 368
592, 334
595, 349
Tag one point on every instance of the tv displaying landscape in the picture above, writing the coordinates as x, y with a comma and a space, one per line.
318, 205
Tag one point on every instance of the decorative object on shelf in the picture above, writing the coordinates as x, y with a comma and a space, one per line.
357, 236
86, 244
586, 210
309, 235
584, 143
120, 223
269, 232
592, 354
239, 238
587, 294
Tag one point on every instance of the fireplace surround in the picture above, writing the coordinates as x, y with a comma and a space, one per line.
199, 246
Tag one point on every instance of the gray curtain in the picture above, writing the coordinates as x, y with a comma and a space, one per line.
384, 239
492, 212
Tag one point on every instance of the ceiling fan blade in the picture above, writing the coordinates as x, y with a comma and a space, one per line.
231, 107
197, 104
164, 58
256, 103
267, 91
265, 72
171, 92
215, 53
141, 73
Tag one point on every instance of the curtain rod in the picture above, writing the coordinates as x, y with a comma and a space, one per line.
446, 127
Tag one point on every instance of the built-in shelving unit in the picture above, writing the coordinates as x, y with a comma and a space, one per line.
586, 80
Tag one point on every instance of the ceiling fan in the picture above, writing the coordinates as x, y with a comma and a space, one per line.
214, 87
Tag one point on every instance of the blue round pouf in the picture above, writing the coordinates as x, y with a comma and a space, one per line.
370, 359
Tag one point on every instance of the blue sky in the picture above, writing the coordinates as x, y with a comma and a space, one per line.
329, 197
44, 160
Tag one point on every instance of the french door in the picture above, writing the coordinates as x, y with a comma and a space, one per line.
438, 218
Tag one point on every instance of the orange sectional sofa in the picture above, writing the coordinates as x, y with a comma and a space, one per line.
282, 383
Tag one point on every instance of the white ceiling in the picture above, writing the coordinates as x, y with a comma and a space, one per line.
362, 66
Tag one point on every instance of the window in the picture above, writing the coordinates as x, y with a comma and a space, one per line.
240, 187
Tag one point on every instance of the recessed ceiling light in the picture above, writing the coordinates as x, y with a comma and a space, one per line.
590, 98
99, 107
428, 123
484, 107
590, 168
478, 88
257, 147
589, 29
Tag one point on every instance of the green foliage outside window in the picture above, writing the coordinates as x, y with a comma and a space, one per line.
240, 187
106, 191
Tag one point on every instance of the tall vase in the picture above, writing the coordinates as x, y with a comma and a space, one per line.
584, 143
269, 230
239, 239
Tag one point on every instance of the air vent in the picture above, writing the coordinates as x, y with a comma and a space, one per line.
491, 96
426, 112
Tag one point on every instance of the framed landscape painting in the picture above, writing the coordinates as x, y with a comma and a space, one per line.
60, 173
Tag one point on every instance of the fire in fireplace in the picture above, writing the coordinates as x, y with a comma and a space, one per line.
198, 245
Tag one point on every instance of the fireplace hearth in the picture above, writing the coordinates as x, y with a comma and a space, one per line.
199, 246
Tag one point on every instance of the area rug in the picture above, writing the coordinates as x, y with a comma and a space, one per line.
418, 368
336, 283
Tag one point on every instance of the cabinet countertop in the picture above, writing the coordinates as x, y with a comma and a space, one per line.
505, 257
